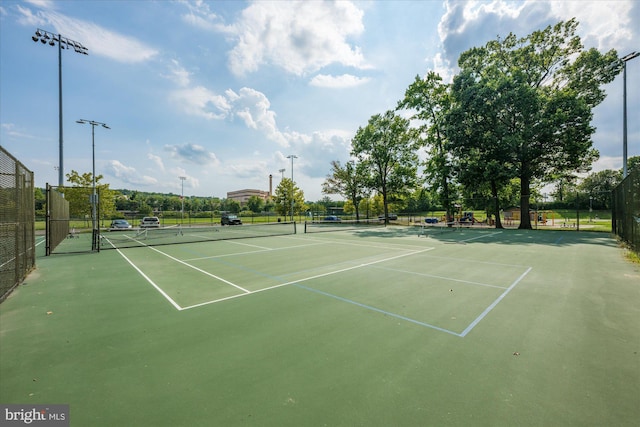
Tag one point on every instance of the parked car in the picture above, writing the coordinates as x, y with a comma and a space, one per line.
391, 217
119, 224
150, 221
332, 218
431, 220
228, 219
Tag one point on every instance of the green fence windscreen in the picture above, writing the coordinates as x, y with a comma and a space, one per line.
17, 223
626, 210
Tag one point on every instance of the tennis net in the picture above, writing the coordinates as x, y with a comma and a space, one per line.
178, 234
326, 226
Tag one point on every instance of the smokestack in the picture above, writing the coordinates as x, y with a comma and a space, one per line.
270, 184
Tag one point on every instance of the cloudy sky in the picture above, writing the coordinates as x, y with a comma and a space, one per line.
222, 92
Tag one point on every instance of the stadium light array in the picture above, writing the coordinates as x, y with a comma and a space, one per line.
47, 37
95, 245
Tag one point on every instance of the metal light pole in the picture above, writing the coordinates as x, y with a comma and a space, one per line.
624, 60
51, 39
182, 178
282, 172
94, 197
292, 156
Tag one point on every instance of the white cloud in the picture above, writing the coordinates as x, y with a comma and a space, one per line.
178, 74
299, 37
200, 101
99, 40
128, 174
200, 16
338, 82
157, 160
192, 153
10, 130
253, 107
595, 19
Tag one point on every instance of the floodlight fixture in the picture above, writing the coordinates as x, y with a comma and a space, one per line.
47, 37
95, 243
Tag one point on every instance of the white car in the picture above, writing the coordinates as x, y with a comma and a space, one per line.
150, 221
119, 224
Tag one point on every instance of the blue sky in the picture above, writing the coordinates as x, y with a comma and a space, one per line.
222, 92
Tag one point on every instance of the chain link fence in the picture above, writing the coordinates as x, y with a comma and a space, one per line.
17, 223
57, 221
69, 220
626, 210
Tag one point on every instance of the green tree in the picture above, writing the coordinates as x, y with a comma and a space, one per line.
597, 187
39, 199
546, 86
387, 150
230, 205
285, 193
349, 181
79, 196
430, 100
255, 204
632, 163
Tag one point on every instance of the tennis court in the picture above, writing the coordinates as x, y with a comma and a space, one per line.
364, 326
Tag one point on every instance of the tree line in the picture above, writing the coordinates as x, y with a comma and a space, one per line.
516, 117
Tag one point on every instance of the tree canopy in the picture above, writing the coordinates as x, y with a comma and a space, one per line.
387, 149
287, 197
522, 108
349, 181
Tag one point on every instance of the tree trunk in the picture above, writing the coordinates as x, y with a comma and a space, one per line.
525, 218
386, 208
496, 206
447, 202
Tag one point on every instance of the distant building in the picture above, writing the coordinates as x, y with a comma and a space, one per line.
242, 196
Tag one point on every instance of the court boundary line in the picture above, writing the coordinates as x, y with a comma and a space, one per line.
451, 279
462, 334
199, 269
293, 282
148, 279
494, 304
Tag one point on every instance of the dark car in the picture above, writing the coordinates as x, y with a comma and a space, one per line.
332, 218
228, 219
119, 224
391, 217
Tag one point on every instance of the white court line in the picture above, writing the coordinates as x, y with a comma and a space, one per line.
235, 242
366, 245
442, 277
479, 237
252, 252
200, 270
310, 278
492, 306
9, 261
163, 293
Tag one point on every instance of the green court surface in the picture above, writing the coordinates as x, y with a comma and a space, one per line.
369, 327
